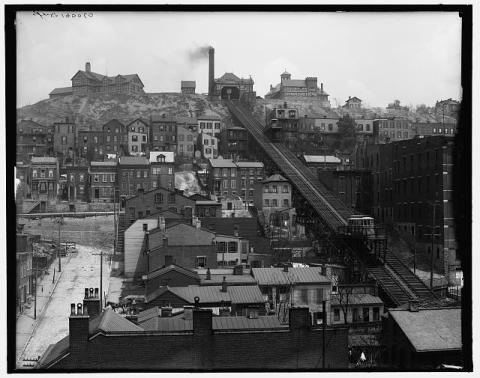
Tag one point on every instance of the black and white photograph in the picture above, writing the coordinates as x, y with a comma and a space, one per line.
238, 188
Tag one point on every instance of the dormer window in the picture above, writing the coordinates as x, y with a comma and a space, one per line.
161, 158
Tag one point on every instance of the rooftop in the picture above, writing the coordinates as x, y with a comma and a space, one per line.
231, 279
133, 160
275, 178
222, 163
63, 90
103, 163
169, 156
44, 160
214, 294
277, 276
188, 84
321, 159
357, 299
431, 329
250, 164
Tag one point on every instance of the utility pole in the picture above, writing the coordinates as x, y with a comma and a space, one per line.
433, 243
324, 325
101, 279
60, 221
35, 303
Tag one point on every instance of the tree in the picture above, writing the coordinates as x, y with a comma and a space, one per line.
346, 133
343, 295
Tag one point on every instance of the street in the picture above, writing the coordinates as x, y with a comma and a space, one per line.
79, 271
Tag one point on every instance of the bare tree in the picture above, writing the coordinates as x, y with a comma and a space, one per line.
344, 294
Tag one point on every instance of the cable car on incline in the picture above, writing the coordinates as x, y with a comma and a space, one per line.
361, 225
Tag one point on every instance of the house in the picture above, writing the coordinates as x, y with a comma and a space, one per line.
230, 86
133, 174
364, 126
275, 192
171, 275
115, 138
222, 177
187, 87
353, 103
248, 174
208, 144
419, 338
285, 287
205, 207
187, 133
435, 128
282, 122
289, 88
210, 124
236, 276
163, 131
154, 201
233, 143
447, 107
103, 181
90, 144
86, 83
24, 275
65, 139
76, 187
392, 129
162, 169
194, 340
33, 139
61, 92
138, 132
44, 178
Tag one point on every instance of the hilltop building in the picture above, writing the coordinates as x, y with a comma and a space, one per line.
289, 89
188, 87
353, 103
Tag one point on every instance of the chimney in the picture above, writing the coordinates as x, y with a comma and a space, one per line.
165, 241
166, 312
78, 325
224, 285
145, 227
321, 87
91, 302
285, 267
168, 260
88, 67
211, 72
202, 322
299, 317
235, 230
209, 275
188, 312
238, 270
413, 305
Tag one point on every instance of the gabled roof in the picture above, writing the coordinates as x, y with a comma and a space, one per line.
175, 268
321, 159
110, 321
294, 83
63, 90
275, 178
188, 84
162, 118
353, 99
209, 117
103, 163
247, 227
277, 276
229, 76
169, 156
213, 294
54, 352
145, 122
222, 163
100, 78
431, 329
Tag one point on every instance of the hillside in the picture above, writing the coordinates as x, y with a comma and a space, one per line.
97, 110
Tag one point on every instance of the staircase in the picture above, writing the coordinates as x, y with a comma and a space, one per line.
390, 285
31, 207
121, 234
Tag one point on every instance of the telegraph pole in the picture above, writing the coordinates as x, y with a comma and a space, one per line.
324, 325
35, 303
59, 246
433, 244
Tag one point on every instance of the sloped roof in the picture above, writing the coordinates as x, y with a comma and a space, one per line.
103, 163
176, 268
169, 156
222, 163
186, 120
245, 294
133, 160
431, 329
229, 76
55, 351
99, 77
231, 279
275, 178
353, 99
207, 294
357, 299
209, 117
188, 84
62, 90
110, 321
250, 164
44, 160
321, 159
247, 227
277, 276
162, 118
294, 83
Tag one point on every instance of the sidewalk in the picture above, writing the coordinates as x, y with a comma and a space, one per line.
26, 324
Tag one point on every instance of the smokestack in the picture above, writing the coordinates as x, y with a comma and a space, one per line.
211, 71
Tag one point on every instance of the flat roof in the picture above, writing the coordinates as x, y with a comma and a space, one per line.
222, 163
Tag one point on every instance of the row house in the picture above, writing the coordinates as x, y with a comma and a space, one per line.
74, 182
210, 124
33, 139
163, 133
274, 193
138, 133
133, 174
187, 132
44, 177
249, 173
65, 139
434, 129
162, 169
234, 143
103, 181
91, 144
393, 129
208, 144
115, 138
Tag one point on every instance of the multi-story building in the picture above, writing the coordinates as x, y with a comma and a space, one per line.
163, 133
75, 185
33, 139
133, 174
222, 177
210, 124
43, 178
162, 169
275, 194
115, 138
187, 87
298, 89
90, 144
85, 83
230, 86
65, 139
434, 128
353, 103
392, 129
24, 276
187, 134
282, 123
138, 132
103, 181
447, 108
322, 125
364, 126
248, 174
234, 143
208, 144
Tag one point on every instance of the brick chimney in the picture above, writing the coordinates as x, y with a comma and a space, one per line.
188, 312
211, 71
91, 301
299, 317
202, 322
224, 285
209, 275
413, 305
78, 329
88, 67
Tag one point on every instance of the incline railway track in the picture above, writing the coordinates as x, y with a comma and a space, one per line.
394, 277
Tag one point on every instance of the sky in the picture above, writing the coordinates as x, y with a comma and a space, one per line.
378, 57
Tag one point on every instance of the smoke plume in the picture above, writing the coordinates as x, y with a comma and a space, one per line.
199, 53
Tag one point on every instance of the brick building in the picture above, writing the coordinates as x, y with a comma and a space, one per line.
65, 139
282, 123
138, 132
133, 174
33, 139
103, 181
447, 107
434, 128
115, 138
76, 187
162, 169
90, 144
210, 124
208, 144
274, 193
187, 132
163, 130
230, 86
222, 177
248, 174
392, 129
298, 89
187, 87
43, 178
353, 103
234, 143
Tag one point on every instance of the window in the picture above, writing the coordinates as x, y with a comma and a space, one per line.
139, 174
81, 177
170, 171
274, 189
221, 247
145, 174
171, 198
50, 174
319, 296
285, 203
274, 203
366, 314
205, 142
285, 189
104, 178
233, 184
112, 177
232, 247
376, 314
304, 296
95, 178
355, 318
225, 184
336, 315
158, 198
34, 173
108, 138
267, 203
201, 261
